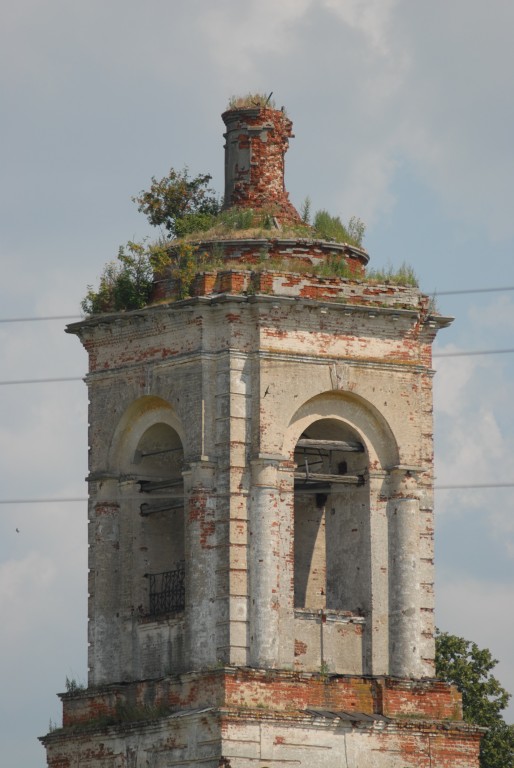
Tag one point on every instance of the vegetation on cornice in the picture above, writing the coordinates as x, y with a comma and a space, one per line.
403, 275
189, 212
240, 223
187, 207
127, 284
251, 101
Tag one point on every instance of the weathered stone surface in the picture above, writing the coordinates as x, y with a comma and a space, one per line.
261, 717
261, 524
227, 387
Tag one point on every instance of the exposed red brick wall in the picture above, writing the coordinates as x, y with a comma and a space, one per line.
298, 284
431, 698
279, 691
257, 140
424, 727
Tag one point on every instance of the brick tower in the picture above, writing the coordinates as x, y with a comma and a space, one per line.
261, 509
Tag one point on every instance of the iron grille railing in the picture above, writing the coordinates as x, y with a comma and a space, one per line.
167, 591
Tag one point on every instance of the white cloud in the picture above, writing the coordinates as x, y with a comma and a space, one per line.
457, 82
474, 442
251, 31
424, 86
371, 17
452, 378
498, 316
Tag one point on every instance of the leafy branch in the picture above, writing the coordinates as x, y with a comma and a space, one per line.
126, 283
179, 203
464, 664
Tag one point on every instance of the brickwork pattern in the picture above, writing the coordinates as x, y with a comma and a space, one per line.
256, 142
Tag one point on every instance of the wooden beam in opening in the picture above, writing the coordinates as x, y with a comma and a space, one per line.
317, 477
157, 485
330, 445
143, 454
165, 506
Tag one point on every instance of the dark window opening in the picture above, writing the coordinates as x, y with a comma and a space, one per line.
159, 459
331, 516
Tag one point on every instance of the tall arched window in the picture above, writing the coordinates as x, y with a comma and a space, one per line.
159, 461
331, 519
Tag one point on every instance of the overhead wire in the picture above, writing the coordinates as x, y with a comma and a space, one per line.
73, 499
463, 353
43, 501
471, 290
435, 292
42, 381
468, 353
472, 352
447, 487
37, 319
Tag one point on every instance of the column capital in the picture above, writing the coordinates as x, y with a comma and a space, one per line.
199, 474
403, 482
265, 469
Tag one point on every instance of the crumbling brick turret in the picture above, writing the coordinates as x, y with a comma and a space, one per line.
257, 139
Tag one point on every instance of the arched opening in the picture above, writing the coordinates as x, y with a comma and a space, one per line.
159, 461
331, 519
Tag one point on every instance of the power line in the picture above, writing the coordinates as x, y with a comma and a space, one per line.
42, 381
42, 501
34, 319
469, 353
449, 487
465, 486
472, 290
474, 352
435, 292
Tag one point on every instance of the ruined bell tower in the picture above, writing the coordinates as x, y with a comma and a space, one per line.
261, 507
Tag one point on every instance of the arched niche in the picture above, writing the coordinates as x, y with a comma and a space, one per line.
359, 414
160, 458
335, 440
148, 453
138, 417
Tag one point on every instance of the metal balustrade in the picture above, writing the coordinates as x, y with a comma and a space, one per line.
167, 591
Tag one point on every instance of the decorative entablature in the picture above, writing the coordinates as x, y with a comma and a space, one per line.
400, 317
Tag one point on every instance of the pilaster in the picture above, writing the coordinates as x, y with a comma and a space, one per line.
404, 582
201, 563
270, 570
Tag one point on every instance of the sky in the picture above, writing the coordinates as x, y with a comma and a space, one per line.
404, 115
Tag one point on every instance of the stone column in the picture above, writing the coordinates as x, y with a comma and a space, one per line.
201, 564
132, 582
268, 563
375, 638
404, 581
104, 582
